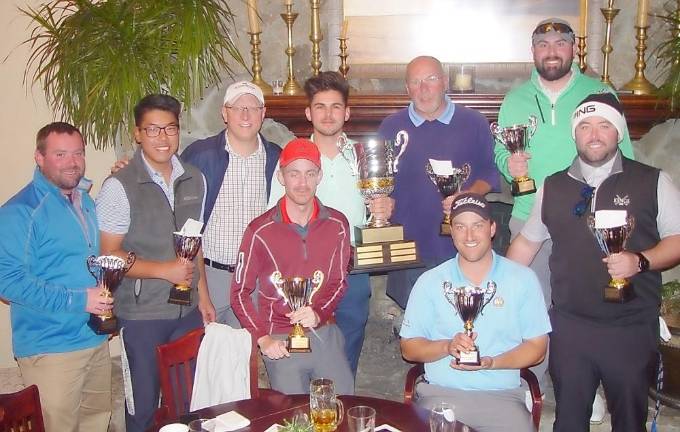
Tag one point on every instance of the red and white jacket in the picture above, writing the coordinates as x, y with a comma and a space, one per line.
271, 243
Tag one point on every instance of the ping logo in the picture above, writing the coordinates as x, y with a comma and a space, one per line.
584, 110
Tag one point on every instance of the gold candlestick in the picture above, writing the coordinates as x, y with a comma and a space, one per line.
316, 37
639, 85
292, 87
609, 14
257, 66
581, 44
344, 67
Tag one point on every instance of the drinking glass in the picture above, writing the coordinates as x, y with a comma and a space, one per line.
325, 408
277, 87
197, 425
442, 418
361, 419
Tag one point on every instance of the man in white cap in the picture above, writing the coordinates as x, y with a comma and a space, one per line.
594, 340
238, 164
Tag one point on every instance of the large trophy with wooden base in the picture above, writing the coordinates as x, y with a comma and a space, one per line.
379, 244
516, 139
297, 292
108, 271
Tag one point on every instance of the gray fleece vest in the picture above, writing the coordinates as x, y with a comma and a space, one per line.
150, 237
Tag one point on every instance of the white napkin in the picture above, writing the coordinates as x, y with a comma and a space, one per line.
664, 332
226, 422
610, 218
441, 167
191, 228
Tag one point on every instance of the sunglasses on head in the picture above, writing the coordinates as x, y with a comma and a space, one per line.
552, 26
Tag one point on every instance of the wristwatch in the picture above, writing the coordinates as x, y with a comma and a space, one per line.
643, 262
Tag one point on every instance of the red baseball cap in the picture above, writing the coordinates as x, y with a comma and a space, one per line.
300, 148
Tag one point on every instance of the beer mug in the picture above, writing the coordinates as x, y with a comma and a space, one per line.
326, 410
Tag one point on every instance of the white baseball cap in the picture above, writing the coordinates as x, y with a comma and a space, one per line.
240, 88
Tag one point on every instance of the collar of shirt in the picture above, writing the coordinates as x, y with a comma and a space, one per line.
458, 275
551, 94
594, 176
444, 117
177, 170
233, 153
284, 212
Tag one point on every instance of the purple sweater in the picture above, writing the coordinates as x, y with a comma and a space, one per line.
418, 202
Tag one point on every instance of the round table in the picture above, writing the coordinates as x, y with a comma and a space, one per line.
272, 408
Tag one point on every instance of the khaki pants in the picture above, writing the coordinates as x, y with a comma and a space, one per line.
75, 388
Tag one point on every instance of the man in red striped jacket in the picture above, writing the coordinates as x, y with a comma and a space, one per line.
297, 238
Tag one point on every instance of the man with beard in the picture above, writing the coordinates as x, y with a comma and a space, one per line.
556, 87
327, 94
594, 340
48, 230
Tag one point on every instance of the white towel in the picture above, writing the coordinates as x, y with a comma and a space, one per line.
222, 367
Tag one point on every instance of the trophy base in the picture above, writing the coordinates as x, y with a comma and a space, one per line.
385, 256
298, 344
523, 186
372, 235
445, 229
470, 358
619, 293
180, 295
102, 325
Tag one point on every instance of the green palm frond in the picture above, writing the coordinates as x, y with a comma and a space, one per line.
96, 59
668, 60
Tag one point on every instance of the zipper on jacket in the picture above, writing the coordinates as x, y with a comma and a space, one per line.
552, 113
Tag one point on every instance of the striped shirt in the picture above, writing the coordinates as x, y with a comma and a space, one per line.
242, 197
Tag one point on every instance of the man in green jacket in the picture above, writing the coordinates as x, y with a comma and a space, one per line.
555, 89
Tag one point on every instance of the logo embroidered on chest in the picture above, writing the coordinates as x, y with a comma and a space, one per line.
621, 201
498, 302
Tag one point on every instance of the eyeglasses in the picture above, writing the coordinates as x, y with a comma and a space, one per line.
586, 196
427, 80
244, 109
552, 26
154, 131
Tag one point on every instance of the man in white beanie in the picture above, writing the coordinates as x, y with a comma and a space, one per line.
597, 337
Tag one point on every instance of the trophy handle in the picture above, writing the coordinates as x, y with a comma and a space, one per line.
277, 280
130, 261
91, 264
317, 280
430, 173
344, 145
466, 169
491, 291
402, 142
496, 131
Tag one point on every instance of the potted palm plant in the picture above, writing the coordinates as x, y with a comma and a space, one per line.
670, 351
668, 55
96, 58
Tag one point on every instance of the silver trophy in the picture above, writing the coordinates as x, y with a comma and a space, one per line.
297, 292
448, 185
108, 271
469, 301
613, 240
186, 248
516, 139
375, 164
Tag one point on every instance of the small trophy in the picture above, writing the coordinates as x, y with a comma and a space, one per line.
469, 301
516, 139
297, 292
108, 271
611, 229
187, 244
449, 180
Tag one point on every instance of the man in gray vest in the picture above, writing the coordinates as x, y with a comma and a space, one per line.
593, 339
139, 208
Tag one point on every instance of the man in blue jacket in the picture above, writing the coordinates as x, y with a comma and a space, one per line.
47, 232
238, 164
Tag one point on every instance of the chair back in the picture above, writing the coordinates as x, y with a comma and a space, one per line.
21, 411
176, 367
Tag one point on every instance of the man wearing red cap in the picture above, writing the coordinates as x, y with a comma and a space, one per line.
297, 238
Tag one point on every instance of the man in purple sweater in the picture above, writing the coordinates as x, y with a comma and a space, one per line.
438, 129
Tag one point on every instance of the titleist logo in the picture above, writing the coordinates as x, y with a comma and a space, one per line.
468, 200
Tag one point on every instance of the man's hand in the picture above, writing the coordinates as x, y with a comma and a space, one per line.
274, 349
178, 271
461, 343
207, 310
622, 265
119, 165
381, 207
517, 164
485, 363
305, 316
97, 301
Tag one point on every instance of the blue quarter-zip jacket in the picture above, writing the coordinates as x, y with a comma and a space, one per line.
43, 270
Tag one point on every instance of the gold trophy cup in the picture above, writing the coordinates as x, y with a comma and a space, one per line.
108, 271
297, 292
516, 140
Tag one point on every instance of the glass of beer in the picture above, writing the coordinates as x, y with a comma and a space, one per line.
325, 408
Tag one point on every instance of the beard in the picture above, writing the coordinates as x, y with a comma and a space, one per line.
554, 73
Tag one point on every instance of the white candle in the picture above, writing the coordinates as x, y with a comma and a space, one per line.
642, 11
253, 20
583, 21
463, 81
345, 25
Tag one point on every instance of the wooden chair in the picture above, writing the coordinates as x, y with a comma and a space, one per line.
176, 365
417, 372
21, 411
